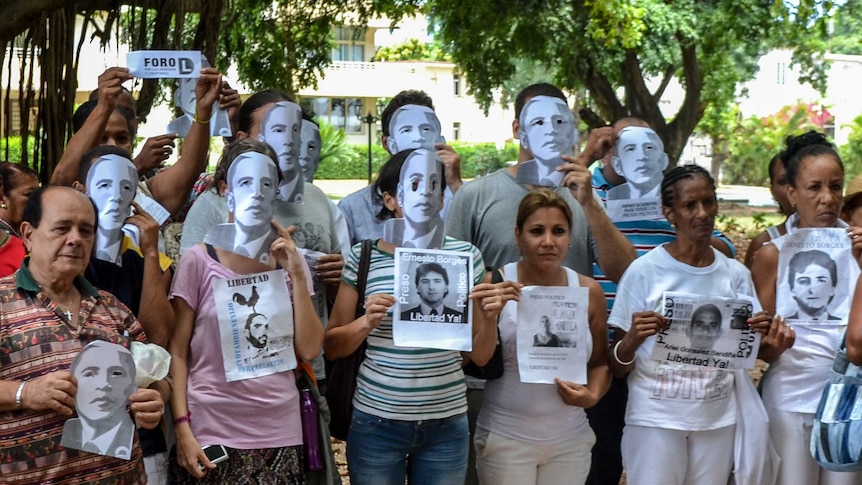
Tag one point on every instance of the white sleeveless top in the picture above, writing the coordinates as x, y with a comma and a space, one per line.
528, 412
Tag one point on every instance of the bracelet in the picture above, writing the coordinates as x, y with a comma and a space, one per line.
183, 419
617, 356
19, 396
198, 120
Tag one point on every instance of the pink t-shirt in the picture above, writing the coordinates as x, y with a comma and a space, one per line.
254, 413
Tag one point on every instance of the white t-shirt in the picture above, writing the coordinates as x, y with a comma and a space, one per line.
677, 396
524, 411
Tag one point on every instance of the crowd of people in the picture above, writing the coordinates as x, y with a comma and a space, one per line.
247, 273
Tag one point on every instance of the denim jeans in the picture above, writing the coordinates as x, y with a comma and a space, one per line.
378, 450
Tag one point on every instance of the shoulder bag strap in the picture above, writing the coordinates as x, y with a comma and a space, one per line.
362, 276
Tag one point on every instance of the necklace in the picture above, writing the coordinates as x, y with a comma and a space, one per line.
8, 227
67, 312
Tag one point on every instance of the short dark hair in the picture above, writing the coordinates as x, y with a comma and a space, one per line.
681, 172
255, 102
233, 150
533, 90
424, 269
707, 308
409, 96
94, 153
9, 170
803, 259
387, 181
33, 208
81, 114
810, 144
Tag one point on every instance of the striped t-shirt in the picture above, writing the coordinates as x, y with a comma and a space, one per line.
406, 383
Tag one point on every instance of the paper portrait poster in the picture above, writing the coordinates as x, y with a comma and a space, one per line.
707, 332
816, 276
553, 328
431, 305
420, 196
112, 182
319, 298
639, 157
255, 319
186, 99
548, 131
414, 126
251, 186
309, 149
106, 379
281, 128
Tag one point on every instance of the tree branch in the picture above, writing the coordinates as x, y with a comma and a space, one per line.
665, 80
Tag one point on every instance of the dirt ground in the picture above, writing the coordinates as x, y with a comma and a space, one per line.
739, 240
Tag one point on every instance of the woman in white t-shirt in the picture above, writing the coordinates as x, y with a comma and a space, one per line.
800, 357
529, 434
680, 420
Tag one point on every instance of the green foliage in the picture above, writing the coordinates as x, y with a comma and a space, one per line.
333, 143
755, 140
846, 36
851, 152
412, 50
611, 47
13, 145
477, 159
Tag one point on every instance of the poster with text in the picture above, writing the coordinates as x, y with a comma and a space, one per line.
706, 332
255, 325
432, 309
553, 328
816, 276
623, 210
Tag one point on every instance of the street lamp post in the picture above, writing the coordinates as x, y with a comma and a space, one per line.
369, 120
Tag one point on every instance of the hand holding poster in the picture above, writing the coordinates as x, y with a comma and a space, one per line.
706, 331
810, 288
553, 328
432, 308
255, 318
164, 64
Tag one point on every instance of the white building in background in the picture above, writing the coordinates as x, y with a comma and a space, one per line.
353, 86
777, 85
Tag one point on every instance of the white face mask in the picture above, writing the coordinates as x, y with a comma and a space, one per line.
413, 126
252, 184
112, 184
547, 128
280, 129
309, 149
640, 156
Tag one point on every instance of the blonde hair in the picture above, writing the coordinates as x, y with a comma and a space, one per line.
542, 198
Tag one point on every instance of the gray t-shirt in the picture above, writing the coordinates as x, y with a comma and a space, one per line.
483, 212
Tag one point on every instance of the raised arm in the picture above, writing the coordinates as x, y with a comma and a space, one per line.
171, 187
110, 87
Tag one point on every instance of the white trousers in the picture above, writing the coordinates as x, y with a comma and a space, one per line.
505, 461
791, 434
658, 456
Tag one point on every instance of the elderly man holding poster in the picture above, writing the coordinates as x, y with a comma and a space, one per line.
251, 407
49, 313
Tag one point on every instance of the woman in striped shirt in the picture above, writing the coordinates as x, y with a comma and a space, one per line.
410, 404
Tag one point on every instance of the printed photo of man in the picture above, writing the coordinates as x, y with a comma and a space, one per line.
546, 338
105, 373
281, 129
414, 126
705, 328
641, 160
432, 286
812, 276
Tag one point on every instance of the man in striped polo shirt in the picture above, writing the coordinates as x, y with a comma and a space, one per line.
48, 313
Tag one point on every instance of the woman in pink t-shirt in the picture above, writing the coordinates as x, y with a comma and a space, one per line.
257, 419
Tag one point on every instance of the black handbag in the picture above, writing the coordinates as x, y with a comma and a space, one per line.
494, 368
341, 373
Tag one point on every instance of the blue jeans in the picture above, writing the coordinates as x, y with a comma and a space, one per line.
378, 450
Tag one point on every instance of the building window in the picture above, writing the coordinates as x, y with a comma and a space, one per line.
339, 112
456, 84
349, 44
456, 130
780, 74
